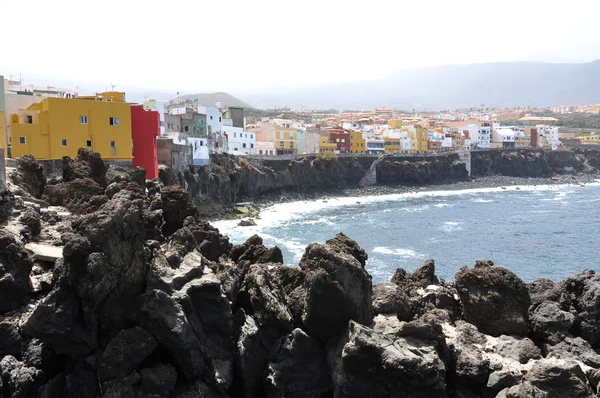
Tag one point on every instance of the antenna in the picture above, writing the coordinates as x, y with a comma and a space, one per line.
113, 86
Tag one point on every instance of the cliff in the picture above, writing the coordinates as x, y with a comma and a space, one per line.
230, 178
149, 300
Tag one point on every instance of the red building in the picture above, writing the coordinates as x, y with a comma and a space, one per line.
340, 137
145, 127
534, 138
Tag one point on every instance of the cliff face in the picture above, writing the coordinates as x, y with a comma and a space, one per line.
528, 163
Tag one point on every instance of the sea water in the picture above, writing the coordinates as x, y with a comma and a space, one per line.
549, 231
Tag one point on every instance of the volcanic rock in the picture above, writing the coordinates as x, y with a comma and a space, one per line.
15, 266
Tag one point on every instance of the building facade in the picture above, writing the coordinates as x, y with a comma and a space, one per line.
58, 127
3, 120
240, 142
145, 127
358, 144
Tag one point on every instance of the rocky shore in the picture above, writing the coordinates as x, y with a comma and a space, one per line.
149, 300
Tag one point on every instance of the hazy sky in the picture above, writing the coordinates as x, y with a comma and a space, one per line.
244, 45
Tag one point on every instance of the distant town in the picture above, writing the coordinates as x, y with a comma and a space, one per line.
50, 123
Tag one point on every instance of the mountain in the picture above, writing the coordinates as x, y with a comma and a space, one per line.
212, 98
453, 86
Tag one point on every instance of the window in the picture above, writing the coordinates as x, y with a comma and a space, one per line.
291, 145
291, 136
246, 135
281, 144
83, 119
211, 118
109, 100
260, 152
252, 146
281, 135
63, 142
244, 145
112, 144
235, 149
28, 119
234, 135
251, 137
186, 128
219, 118
88, 143
22, 140
337, 140
114, 121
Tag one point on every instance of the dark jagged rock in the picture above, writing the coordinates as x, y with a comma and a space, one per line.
166, 319
549, 323
338, 289
368, 363
296, 368
87, 164
136, 175
81, 196
551, 379
211, 243
31, 220
520, 349
345, 244
29, 176
10, 340
468, 334
575, 348
524, 162
388, 298
502, 379
176, 208
394, 170
158, 381
15, 266
486, 290
420, 279
471, 369
125, 352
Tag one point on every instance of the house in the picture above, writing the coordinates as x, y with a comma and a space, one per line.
589, 139
503, 137
145, 127
266, 148
240, 142
358, 144
57, 127
325, 144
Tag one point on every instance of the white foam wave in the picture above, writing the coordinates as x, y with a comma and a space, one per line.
439, 205
451, 226
406, 253
480, 200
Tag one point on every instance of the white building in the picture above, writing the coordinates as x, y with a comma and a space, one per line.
375, 144
550, 133
265, 148
200, 150
503, 136
240, 142
480, 135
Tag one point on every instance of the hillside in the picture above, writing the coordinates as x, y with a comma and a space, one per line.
212, 98
454, 86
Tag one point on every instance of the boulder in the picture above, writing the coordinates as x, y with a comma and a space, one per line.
472, 369
587, 322
10, 340
553, 379
165, 277
162, 315
549, 323
468, 334
176, 207
338, 289
80, 196
388, 298
158, 381
30, 218
349, 246
247, 223
87, 164
575, 348
520, 349
502, 379
420, 279
488, 289
296, 368
125, 352
29, 176
367, 363
15, 266
211, 243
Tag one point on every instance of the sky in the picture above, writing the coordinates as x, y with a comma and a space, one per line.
264, 45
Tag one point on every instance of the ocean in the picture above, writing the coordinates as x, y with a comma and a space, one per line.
548, 231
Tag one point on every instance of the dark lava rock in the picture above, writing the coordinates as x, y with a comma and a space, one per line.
575, 348
338, 289
15, 266
494, 299
159, 380
176, 208
367, 363
87, 164
31, 220
420, 279
80, 196
347, 245
10, 339
520, 349
296, 368
29, 176
549, 323
388, 298
247, 223
125, 352
502, 379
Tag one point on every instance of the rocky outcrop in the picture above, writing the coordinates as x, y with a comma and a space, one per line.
28, 177
394, 170
487, 289
149, 300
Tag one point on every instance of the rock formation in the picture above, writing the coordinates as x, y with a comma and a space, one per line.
149, 300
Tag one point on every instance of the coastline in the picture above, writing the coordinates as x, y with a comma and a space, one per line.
493, 181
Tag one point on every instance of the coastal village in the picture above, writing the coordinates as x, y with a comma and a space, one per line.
49, 123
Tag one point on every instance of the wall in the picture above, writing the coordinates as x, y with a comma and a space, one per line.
237, 116
240, 142
14, 103
311, 142
160, 108
2, 162
57, 119
173, 155
145, 127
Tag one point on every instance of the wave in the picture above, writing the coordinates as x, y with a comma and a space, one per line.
480, 200
451, 226
406, 253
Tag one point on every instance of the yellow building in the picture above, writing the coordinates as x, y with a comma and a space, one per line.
392, 145
325, 145
286, 139
589, 139
419, 142
58, 127
358, 144
3, 136
395, 123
